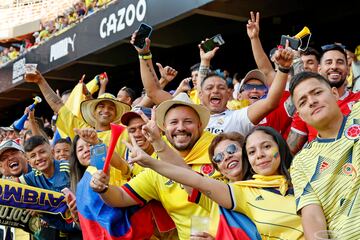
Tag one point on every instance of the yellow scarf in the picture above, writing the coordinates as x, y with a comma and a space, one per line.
199, 153
259, 181
194, 96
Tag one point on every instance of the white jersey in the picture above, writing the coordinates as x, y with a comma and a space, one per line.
230, 121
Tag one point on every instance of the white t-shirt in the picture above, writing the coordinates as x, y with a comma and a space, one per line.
230, 121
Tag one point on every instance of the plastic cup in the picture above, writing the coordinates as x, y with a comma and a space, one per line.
199, 224
30, 68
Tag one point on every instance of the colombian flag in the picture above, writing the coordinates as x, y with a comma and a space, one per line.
102, 222
234, 225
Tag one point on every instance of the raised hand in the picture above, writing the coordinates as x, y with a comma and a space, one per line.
207, 56
146, 48
150, 130
253, 25
284, 57
137, 154
89, 135
167, 73
34, 77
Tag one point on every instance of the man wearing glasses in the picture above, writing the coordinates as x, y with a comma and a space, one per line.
333, 66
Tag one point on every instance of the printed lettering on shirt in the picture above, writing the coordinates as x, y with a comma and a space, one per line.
215, 130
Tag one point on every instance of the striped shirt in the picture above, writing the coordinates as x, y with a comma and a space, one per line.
326, 172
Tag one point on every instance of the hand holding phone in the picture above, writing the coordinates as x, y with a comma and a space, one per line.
143, 32
210, 44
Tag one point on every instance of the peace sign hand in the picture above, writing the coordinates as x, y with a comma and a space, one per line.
150, 130
137, 155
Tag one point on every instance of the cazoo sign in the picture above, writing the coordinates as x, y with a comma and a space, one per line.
124, 17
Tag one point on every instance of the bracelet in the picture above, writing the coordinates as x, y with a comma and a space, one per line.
145, 56
284, 70
104, 190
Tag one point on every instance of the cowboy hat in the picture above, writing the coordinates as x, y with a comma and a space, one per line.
181, 99
87, 108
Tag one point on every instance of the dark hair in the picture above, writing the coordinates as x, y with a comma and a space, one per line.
302, 76
195, 67
285, 153
233, 136
130, 92
77, 170
212, 74
33, 142
49, 132
333, 47
311, 51
62, 140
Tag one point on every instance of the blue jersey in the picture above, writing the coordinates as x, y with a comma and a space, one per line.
57, 182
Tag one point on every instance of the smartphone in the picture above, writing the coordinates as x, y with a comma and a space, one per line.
98, 155
213, 42
144, 31
191, 84
293, 42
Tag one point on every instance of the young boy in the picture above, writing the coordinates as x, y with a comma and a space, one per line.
61, 149
51, 175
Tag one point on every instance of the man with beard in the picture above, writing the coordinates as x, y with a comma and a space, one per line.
333, 66
183, 123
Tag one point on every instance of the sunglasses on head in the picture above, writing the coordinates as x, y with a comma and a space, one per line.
249, 87
332, 46
219, 157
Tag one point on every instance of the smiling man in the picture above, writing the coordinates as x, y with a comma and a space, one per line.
13, 162
333, 67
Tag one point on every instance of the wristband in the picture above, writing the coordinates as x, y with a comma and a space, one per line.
284, 70
145, 56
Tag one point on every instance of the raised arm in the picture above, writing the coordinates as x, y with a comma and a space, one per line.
262, 61
51, 97
258, 110
148, 74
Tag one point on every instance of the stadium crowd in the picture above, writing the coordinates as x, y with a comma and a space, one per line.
48, 29
271, 155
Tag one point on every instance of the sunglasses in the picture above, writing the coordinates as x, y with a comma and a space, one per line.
249, 87
219, 157
333, 46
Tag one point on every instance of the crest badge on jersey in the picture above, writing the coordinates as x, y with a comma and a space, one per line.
349, 170
352, 132
207, 169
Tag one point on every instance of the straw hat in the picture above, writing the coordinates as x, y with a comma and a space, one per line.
181, 99
87, 108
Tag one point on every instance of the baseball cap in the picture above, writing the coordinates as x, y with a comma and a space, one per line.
10, 144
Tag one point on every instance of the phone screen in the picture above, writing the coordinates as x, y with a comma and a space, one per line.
143, 32
213, 42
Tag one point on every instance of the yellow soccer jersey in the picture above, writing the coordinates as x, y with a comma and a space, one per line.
273, 214
150, 185
194, 96
326, 173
